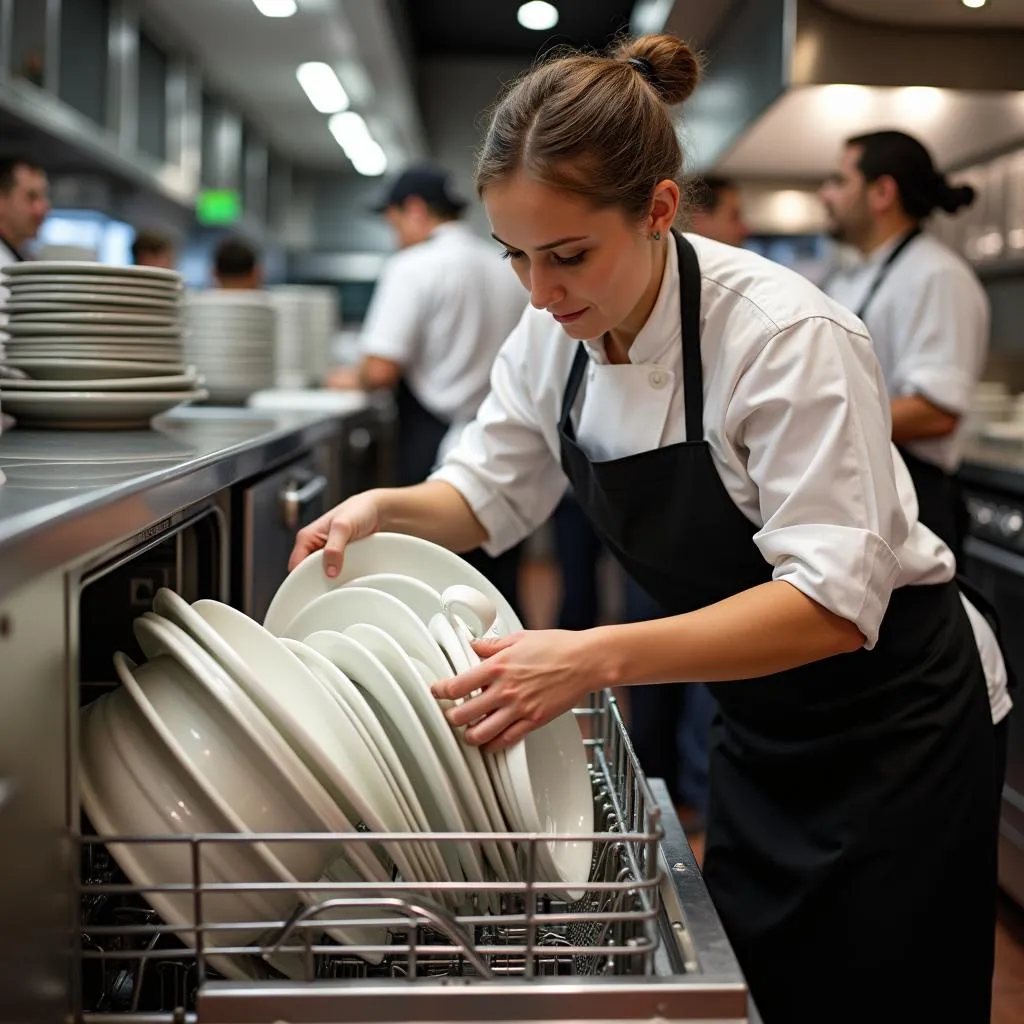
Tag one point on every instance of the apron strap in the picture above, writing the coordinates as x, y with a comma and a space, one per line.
884, 272
689, 316
572, 387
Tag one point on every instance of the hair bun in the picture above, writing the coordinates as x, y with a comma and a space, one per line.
953, 197
675, 68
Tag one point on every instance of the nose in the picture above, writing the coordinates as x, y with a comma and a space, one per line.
545, 290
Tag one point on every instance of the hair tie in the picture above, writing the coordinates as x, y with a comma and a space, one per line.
646, 68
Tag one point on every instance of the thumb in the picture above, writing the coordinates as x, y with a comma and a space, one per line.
488, 648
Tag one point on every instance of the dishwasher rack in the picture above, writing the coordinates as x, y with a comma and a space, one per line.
626, 929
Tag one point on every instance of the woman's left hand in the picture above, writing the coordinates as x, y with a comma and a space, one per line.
525, 680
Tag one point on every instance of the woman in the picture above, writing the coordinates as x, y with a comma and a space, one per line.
724, 426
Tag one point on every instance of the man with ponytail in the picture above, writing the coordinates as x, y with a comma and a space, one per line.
724, 427
926, 311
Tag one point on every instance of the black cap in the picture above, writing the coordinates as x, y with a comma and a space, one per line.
431, 184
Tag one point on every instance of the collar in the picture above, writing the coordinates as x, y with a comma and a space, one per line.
12, 249
662, 330
878, 256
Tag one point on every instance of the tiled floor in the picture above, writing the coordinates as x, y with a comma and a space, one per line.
540, 596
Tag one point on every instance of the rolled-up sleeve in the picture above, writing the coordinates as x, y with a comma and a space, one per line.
395, 315
810, 418
943, 339
504, 464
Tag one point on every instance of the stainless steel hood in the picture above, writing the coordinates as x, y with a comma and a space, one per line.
789, 80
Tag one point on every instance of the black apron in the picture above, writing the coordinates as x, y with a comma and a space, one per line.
420, 433
851, 826
941, 506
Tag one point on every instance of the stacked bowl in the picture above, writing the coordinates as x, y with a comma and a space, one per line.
231, 339
86, 344
307, 321
322, 721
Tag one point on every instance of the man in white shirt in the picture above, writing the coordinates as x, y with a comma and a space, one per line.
442, 308
927, 313
24, 204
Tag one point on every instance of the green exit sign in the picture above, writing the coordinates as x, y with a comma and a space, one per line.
219, 206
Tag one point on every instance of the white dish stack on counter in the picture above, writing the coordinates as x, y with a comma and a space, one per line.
86, 345
231, 339
322, 720
306, 325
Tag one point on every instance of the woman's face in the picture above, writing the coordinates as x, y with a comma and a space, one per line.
589, 268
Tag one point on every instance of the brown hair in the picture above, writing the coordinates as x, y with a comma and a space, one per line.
597, 126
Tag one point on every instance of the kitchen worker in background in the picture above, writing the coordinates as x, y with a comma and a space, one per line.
441, 310
24, 204
925, 309
153, 249
716, 210
670, 723
236, 265
724, 425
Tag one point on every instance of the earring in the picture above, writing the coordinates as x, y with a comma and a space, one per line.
656, 237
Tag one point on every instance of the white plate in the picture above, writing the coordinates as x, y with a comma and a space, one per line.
433, 788
51, 298
131, 784
349, 695
85, 369
165, 382
167, 358
315, 727
290, 800
21, 310
65, 318
63, 329
108, 285
1009, 430
34, 268
344, 607
116, 408
423, 600
455, 757
385, 553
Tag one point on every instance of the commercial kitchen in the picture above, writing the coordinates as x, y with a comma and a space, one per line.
238, 786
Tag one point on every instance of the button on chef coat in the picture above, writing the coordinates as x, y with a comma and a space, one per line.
442, 309
787, 375
929, 321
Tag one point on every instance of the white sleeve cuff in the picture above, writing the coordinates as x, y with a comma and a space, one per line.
944, 386
504, 526
849, 571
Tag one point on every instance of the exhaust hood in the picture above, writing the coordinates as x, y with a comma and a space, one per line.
789, 80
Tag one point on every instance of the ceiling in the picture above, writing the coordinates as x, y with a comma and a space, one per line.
934, 13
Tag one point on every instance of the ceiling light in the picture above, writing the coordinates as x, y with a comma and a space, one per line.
538, 15
322, 87
351, 133
276, 8
973, 3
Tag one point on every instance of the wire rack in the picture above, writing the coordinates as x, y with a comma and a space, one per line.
133, 966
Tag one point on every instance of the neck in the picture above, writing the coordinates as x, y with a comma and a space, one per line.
619, 340
884, 231
12, 238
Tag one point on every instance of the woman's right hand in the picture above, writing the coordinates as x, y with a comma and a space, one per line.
353, 519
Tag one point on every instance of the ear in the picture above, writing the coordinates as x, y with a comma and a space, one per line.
883, 193
664, 207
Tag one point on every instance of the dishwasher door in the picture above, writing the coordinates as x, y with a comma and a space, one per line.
273, 510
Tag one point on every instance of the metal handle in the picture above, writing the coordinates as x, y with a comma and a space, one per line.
296, 494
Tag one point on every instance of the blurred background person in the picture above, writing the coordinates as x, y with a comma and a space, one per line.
236, 265
442, 308
24, 204
153, 249
925, 308
716, 210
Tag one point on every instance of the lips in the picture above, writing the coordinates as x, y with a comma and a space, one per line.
568, 318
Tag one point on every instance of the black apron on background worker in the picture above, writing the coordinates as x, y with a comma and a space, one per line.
823, 775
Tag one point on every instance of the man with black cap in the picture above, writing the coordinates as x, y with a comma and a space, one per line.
442, 307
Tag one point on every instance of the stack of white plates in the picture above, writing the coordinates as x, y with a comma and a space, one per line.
322, 720
231, 339
100, 346
307, 321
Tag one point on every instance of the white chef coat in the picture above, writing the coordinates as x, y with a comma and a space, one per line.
929, 321
7, 257
442, 309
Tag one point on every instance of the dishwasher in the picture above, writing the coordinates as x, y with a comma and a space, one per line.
643, 942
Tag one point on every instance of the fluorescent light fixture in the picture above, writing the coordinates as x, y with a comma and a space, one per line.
322, 86
973, 3
538, 15
918, 101
350, 131
276, 8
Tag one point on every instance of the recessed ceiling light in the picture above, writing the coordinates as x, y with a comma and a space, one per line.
538, 15
352, 134
276, 8
973, 3
322, 87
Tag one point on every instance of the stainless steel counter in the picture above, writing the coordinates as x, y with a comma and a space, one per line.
68, 493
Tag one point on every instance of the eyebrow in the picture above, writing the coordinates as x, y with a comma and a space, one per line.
547, 245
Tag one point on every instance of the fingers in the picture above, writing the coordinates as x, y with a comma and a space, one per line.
463, 685
307, 540
485, 702
490, 728
510, 737
488, 648
338, 536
